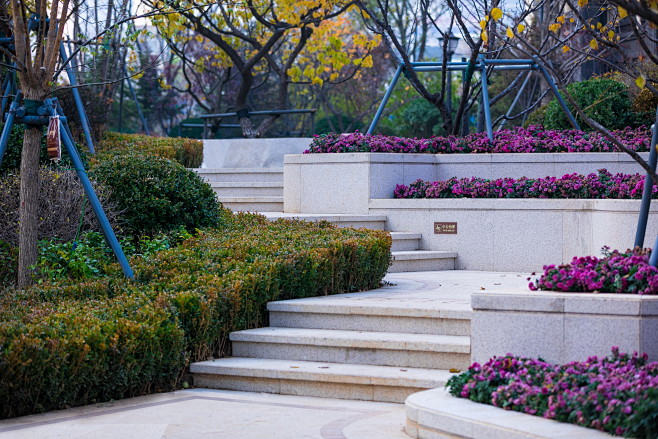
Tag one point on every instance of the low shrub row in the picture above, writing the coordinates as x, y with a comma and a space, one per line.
616, 272
533, 139
187, 152
600, 185
79, 341
618, 395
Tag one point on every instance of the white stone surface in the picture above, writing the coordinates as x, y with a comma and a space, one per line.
342, 183
437, 414
203, 413
250, 153
518, 234
562, 327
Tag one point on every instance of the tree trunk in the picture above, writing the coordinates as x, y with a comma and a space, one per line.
28, 210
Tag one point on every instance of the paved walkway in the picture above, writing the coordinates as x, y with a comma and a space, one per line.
201, 413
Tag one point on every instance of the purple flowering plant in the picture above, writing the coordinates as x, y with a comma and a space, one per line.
532, 139
600, 185
618, 272
618, 394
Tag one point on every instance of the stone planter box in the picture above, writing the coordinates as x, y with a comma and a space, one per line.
519, 235
344, 183
434, 414
250, 153
560, 327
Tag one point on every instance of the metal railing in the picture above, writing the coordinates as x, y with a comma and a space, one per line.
207, 117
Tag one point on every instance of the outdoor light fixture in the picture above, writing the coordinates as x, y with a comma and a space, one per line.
453, 41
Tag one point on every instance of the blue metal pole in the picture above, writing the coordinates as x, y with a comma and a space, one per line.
6, 86
485, 97
557, 94
76, 97
110, 237
134, 95
515, 101
380, 110
648, 188
9, 123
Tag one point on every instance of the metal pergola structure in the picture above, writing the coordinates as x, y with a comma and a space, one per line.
482, 65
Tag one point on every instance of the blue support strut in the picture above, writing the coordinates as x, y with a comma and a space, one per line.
380, 110
557, 94
9, 123
76, 97
110, 237
648, 188
485, 97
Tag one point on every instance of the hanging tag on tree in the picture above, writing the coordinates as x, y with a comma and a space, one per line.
53, 140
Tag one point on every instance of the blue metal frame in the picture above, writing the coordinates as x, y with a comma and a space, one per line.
482, 64
647, 192
76, 97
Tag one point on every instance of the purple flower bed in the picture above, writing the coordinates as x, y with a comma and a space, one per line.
532, 139
616, 272
618, 395
600, 185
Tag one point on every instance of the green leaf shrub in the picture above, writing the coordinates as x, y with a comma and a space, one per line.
79, 341
187, 152
156, 194
604, 100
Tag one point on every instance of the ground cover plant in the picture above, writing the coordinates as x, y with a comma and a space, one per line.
626, 272
532, 139
618, 394
187, 152
91, 337
600, 185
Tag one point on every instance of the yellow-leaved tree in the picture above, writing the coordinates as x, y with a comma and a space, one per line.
259, 43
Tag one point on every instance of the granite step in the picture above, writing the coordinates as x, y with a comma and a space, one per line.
405, 241
352, 314
252, 204
247, 188
422, 260
374, 222
241, 174
427, 351
320, 379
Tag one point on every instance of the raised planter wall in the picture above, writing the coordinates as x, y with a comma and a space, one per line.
560, 327
250, 153
344, 183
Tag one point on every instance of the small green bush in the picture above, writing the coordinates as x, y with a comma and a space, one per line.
536, 117
187, 152
156, 194
79, 341
604, 100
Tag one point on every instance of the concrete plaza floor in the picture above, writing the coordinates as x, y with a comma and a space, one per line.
202, 413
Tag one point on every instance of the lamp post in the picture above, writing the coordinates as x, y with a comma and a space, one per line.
453, 41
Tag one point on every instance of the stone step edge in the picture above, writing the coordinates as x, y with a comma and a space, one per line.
405, 235
436, 413
323, 372
454, 344
238, 170
309, 307
339, 217
263, 199
412, 255
246, 184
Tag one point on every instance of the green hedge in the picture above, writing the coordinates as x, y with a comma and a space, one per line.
187, 152
66, 344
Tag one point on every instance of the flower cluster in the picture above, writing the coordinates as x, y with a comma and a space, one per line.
616, 272
618, 395
531, 139
600, 185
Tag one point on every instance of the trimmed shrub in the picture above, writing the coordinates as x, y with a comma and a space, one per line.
187, 152
80, 341
156, 194
604, 100
63, 207
57, 355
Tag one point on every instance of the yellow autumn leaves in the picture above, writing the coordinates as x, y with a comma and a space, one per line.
496, 14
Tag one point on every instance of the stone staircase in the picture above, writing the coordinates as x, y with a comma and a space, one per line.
247, 189
261, 190
347, 347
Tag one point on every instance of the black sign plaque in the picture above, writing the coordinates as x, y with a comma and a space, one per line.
445, 228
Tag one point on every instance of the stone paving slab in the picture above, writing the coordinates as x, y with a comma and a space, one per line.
201, 413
